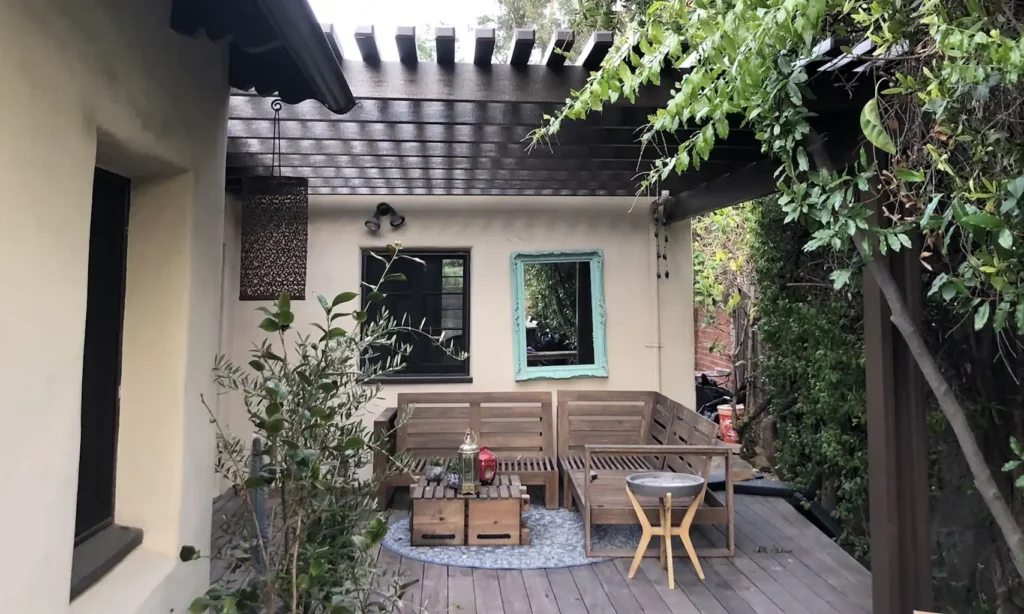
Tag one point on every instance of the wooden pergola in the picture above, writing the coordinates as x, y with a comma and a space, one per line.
447, 128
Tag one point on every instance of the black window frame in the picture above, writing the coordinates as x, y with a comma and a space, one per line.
99, 542
463, 253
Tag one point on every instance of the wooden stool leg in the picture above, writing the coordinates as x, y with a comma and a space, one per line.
668, 542
645, 537
684, 533
665, 534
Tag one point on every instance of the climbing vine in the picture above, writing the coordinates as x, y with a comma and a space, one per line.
942, 163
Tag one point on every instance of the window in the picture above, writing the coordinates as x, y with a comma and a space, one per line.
99, 543
435, 293
558, 315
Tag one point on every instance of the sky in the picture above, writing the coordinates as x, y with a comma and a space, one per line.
386, 15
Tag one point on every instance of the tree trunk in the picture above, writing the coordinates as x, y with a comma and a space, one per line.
943, 392
951, 408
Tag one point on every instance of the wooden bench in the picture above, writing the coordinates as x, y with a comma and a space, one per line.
518, 427
622, 433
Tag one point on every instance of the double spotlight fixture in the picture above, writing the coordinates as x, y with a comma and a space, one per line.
384, 210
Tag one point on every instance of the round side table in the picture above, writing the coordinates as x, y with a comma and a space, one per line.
665, 485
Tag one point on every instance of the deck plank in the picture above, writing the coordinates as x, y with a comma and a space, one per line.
539, 592
785, 590
513, 592
806, 552
615, 587
567, 594
412, 571
487, 591
642, 588
679, 600
591, 591
435, 589
461, 596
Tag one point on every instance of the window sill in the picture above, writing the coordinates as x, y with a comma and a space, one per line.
96, 556
423, 379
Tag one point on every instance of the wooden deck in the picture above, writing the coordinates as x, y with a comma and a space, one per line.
783, 565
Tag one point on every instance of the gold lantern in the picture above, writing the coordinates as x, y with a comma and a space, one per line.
469, 465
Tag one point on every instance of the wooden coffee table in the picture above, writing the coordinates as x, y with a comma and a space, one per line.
442, 517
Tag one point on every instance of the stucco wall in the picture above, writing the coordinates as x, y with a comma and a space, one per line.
493, 228
107, 83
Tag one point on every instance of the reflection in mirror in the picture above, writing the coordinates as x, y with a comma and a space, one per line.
559, 313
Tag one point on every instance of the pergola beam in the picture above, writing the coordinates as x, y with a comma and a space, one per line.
523, 40
572, 134
366, 41
483, 50
321, 191
558, 49
427, 173
444, 40
462, 149
405, 40
596, 48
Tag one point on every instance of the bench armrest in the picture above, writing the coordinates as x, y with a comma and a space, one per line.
385, 417
382, 427
657, 450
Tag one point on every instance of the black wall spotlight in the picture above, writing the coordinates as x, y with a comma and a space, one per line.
384, 210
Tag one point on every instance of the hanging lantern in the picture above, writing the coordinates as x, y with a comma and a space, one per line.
469, 469
275, 216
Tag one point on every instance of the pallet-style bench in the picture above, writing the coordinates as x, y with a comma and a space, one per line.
518, 427
665, 437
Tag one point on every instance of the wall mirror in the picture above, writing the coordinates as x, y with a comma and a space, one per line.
558, 315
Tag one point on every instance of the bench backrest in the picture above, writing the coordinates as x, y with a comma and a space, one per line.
688, 428
602, 417
510, 424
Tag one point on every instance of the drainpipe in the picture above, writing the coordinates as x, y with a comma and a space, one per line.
655, 287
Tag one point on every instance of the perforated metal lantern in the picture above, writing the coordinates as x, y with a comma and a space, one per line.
469, 465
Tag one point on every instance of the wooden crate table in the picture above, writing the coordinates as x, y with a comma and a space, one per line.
441, 517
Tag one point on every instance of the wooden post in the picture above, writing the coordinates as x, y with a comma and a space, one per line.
897, 448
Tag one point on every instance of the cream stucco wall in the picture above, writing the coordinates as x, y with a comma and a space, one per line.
107, 83
640, 357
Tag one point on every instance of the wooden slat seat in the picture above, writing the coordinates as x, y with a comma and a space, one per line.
651, 433
518, 427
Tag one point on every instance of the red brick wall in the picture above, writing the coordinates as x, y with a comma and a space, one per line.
718, 333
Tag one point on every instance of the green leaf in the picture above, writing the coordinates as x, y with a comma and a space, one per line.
1020, 482
323, 302
910, 176
269, 325
199, 605
359, 316
999, 319
874, 130
336, 332
1016, 187
344, 297
284, 301
894, 242
1015, 446
983, 220
317, 567
230, 605
840, 278
257, 365
930, 209
1011, 465
276, 389
394, 277
275, 425
188, 553
1006, 238
1020, 316
981, 316
286, 318
254, 482
801, 157
375, 296
948, 291
354, 443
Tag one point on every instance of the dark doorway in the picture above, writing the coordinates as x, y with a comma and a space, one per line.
101, 368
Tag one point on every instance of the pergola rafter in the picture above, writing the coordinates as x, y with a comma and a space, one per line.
445, 127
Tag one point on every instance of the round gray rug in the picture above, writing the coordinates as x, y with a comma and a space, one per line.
556, 540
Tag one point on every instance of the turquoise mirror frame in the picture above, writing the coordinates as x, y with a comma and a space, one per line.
600, 366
